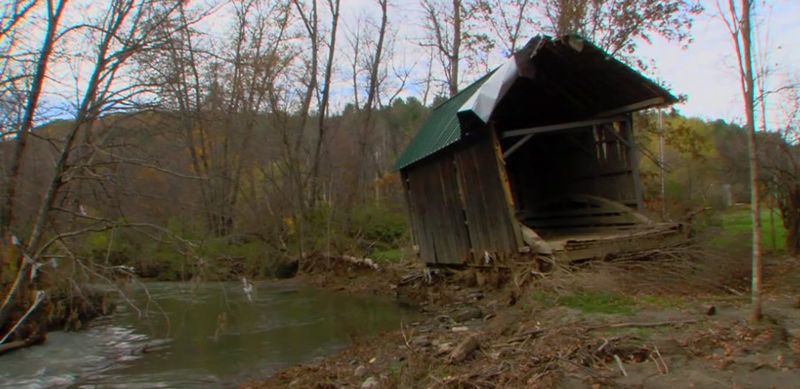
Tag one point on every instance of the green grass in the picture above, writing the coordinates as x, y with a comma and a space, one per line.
663, 302
606, 302
599, 302
589, 302
390, 255
736, 229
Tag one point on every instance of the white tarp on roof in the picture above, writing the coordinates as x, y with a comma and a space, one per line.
484, 100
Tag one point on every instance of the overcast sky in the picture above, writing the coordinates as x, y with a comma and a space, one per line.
706, 71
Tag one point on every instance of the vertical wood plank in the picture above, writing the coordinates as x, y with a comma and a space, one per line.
633, 161
490, 224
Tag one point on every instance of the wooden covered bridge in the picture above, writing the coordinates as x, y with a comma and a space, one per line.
536, 156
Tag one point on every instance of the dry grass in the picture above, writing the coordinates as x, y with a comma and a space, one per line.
684, 270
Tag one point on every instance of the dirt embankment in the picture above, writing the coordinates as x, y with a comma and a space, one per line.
673, 322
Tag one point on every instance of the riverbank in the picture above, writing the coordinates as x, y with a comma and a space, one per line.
59, 310
679, 321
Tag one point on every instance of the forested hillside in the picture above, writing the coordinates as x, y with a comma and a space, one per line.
148, 209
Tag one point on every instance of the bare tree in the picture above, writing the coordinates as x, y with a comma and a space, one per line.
324, 102
125, 28
617, 25
509, 21
780, 162
217, 97
443, 26
737, 21
256, 61
14, 12
54, 12
370, 44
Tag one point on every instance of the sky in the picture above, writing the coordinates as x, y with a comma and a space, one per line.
705, 71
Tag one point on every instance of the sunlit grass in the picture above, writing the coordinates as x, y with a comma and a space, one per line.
736, 229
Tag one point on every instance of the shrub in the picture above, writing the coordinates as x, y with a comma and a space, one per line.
378, 223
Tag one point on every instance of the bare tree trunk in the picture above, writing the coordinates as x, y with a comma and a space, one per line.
456, 56
741, 33
21, 140
295, 165
428, 80
445, 34
374, 64
333, 6
753, 150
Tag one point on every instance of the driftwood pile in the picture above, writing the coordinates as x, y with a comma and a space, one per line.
536, 356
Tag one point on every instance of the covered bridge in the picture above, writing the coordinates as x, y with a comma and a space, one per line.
536, 156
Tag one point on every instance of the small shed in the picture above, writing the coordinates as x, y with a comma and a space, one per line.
536, 156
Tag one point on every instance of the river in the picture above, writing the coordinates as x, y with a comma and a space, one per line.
200, 335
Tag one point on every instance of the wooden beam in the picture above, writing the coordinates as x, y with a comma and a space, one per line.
517, 145
620, 138
506, 185
634, 107
562, 126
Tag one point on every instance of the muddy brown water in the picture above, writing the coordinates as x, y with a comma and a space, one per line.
201, 335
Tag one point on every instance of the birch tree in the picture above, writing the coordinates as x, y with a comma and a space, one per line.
737, 20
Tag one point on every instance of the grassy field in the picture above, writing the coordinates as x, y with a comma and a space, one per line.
734, 228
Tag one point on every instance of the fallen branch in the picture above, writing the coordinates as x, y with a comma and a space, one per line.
619, 363
39, 297
11, 346
658, 353
18, 344
405, 338
658, 366
605, 343
647, 324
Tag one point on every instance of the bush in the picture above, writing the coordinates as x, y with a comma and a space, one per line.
379, 224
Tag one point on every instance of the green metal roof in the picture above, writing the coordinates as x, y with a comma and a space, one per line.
440, 129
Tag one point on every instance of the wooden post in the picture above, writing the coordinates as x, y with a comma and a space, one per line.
633, 158
501, 170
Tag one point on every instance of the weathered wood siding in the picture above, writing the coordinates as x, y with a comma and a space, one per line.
458, 205
490, 223
436, 212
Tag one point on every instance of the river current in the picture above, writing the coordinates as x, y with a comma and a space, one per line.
200, 335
